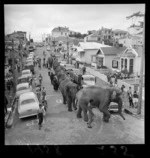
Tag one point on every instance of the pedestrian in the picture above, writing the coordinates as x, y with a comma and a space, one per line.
43, 94
49, 72
40, 78
30, 81
135, 99
5, 104
84, 69
40, 115
38, 93
130, 98
122, 88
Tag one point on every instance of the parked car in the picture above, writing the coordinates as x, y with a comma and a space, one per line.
88, 80
28, 105
22, 88
31, 48
27, 72
30, 66
23, 79
113, 107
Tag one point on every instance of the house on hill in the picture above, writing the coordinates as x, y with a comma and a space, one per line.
60, 31
130, 59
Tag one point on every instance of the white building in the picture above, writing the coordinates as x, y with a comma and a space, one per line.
60, 31
86, 50
131, 60
131, 40
92, 37
119, 33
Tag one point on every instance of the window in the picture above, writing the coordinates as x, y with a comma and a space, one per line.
116, 34
61, 33
114, 64
22, 88
27, 101
125, 63
121, 63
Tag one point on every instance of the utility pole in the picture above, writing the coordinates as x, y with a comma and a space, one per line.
13, 66
68, 49
139, 14
141, 73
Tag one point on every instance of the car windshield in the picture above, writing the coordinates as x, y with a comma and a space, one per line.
21, 88
27, 101
89, 79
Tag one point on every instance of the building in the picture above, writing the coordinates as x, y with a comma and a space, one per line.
91, 32
105, 57
94, 37
85, 51
130, 59
60, 31
17, 35
131, 40
116, 34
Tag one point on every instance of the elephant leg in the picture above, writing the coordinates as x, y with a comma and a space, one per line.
85, 115
74, 105
64, 99
91, 116
79, 112
69, 101
106, 115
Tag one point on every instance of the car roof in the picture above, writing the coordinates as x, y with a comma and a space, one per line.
23, 76
27, 95
26, 70
88, 76
26, 84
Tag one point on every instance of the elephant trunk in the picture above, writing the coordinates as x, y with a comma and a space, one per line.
122, 116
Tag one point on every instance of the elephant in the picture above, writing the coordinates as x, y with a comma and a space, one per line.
99, 97
71, 89
62, 87
50, 61
55, 83
59, 68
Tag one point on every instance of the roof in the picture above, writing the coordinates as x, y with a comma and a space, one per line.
23, 76
119, 31
113, 50
26, 84
79, 49
27, 70
92, 45
60, 29
27, 95
139, 50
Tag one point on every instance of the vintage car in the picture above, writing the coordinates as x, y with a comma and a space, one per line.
88, 80
31, 48
23, 79
27, 72
28, 105
22, 88
113, 107
30, 66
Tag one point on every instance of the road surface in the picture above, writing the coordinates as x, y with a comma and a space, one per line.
63, 127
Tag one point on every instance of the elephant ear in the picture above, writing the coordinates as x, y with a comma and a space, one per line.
113, 96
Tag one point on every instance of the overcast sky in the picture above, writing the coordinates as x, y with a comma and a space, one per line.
40, 19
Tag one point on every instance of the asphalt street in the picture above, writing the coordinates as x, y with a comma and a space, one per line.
63, 127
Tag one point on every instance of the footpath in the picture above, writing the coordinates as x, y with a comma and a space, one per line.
101, 80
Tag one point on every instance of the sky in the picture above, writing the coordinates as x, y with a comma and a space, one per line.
40, 19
